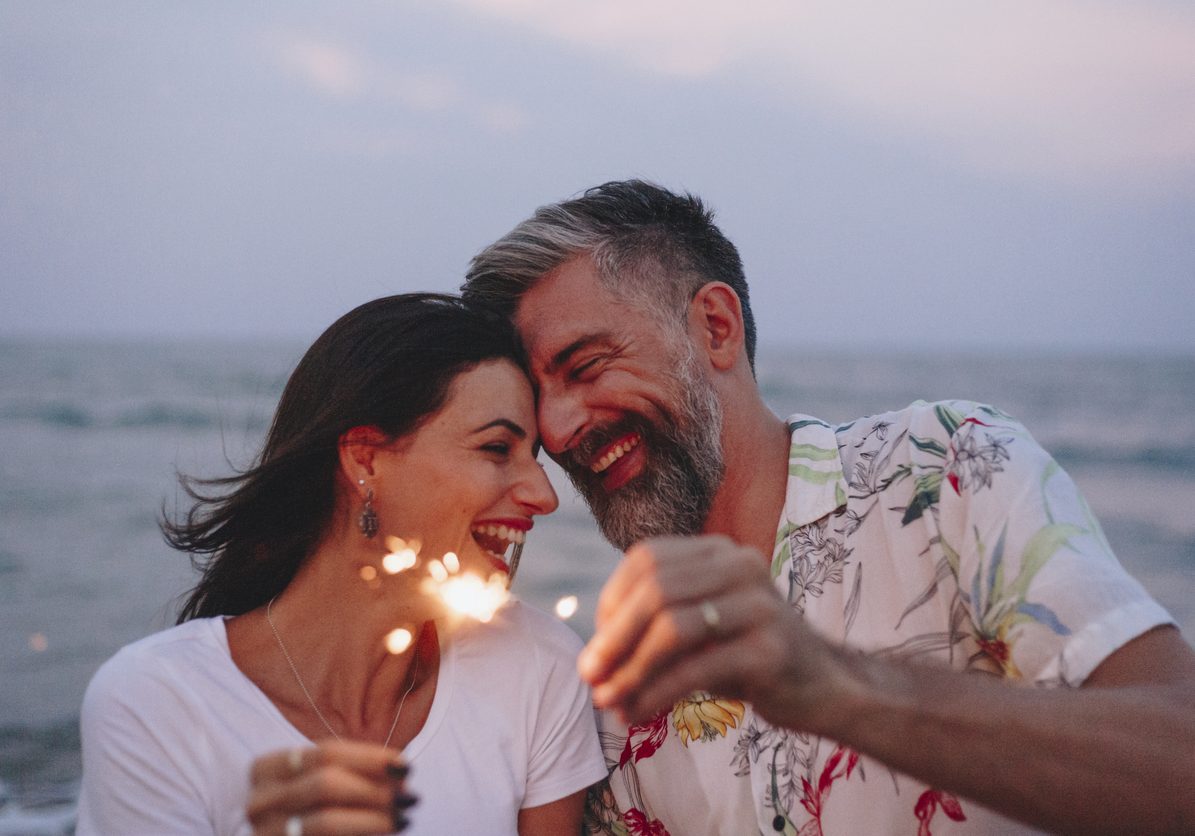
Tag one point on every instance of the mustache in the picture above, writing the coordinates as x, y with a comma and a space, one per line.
579, 457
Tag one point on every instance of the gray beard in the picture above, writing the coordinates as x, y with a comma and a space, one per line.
674, 493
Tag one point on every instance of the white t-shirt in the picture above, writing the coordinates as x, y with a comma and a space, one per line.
170, 727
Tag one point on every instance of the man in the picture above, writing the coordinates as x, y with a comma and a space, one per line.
875, 595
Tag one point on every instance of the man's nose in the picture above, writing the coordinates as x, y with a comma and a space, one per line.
561, 419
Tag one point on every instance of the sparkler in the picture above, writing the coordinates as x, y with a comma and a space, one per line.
464, 593
566, 607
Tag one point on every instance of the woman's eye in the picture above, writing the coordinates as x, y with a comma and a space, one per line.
501, 448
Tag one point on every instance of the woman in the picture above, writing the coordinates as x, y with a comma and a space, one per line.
409, 417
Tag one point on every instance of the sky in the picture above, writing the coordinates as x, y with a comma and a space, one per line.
944, 175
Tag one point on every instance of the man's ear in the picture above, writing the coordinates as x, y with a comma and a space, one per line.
358, 445
717, 316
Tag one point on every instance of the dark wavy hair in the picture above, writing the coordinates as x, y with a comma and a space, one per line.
389, 364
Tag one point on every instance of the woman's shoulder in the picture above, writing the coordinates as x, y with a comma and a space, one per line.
156, 657
538, 627
522, 636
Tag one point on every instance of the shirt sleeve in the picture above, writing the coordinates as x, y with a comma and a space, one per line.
134, 780
1047, 597
565, 754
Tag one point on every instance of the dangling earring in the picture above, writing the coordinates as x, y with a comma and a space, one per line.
368, 521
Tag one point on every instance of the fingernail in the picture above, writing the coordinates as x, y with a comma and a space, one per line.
397, 771
404, 800
400, 822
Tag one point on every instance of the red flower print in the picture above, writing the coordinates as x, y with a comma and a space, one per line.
639, 825
651, 736
927, 806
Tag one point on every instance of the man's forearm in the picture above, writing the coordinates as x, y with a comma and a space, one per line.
1094, 760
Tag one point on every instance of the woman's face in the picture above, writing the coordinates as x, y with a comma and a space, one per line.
467, 481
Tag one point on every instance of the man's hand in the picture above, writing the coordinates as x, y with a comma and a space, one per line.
701, 613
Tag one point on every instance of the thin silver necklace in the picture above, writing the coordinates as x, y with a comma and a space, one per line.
307, 694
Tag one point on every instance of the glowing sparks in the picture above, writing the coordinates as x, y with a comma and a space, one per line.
38, 642
368, 574
566, 607
452, 563
469, 595
438, 571
398, 640
399, 561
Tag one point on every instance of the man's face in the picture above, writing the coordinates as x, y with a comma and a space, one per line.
624, 406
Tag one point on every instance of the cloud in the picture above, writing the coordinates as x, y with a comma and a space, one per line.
1076, 89
342, 72
328, 68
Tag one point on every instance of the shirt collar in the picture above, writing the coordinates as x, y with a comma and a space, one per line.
816, 485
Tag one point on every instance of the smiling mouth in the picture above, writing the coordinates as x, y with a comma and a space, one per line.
614, 452
497, 538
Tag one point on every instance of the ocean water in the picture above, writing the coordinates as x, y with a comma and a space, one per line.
91, 435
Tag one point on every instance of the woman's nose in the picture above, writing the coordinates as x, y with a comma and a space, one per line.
537, 493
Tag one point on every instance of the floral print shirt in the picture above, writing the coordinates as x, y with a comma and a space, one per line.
940, 532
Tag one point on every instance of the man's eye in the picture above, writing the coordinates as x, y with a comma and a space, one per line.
580, 371
499, 447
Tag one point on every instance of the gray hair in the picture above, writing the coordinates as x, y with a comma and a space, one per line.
648, 245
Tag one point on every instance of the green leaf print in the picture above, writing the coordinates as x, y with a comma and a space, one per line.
812, 452
1038, 551
927, 488
950, 419
808, 474
929, 445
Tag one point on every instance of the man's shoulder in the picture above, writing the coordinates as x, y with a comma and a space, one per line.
922, 419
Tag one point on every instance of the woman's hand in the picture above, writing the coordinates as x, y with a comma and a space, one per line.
337, 787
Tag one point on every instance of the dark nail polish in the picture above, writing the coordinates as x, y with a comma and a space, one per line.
404, 800
397, 771
400, 822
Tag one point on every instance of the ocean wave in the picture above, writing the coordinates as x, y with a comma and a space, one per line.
65, 415
1178, 459
39, 792
166, 415
52, 818
53, 414
8, 561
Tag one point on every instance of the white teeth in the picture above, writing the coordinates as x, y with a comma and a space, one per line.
614, 454
507, 533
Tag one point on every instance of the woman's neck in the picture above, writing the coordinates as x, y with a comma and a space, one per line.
321, 644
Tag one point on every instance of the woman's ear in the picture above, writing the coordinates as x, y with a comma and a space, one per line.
358, 446
717, 316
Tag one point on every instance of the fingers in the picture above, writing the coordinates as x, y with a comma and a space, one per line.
673, 633
338, 821
717, 669
336, 787
367, 759
659, 588
680, 568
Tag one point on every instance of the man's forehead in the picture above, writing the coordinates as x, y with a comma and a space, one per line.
551, 337
565, 306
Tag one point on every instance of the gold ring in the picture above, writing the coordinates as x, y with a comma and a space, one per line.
709, 614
